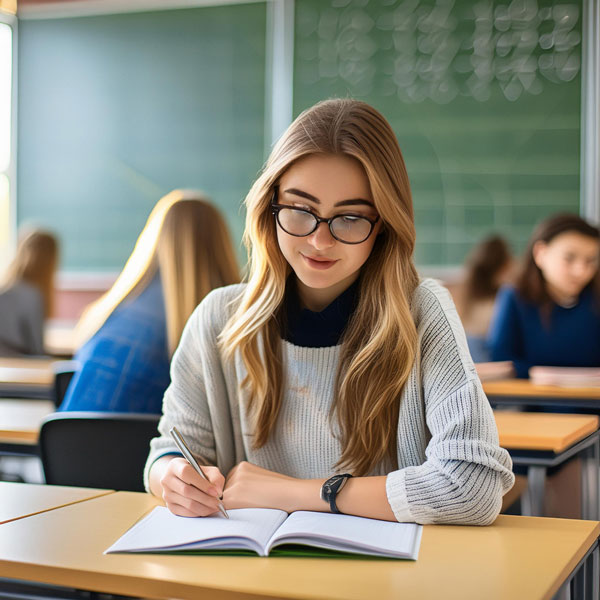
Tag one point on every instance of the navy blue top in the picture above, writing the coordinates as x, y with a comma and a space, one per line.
303, 327
125, 365
571, 338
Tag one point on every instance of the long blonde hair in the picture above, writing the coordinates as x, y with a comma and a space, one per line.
187, 240
35, 263
379, 344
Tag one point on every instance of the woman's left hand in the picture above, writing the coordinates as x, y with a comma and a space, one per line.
250, 486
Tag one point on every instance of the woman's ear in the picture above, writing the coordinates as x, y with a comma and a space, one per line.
539, 252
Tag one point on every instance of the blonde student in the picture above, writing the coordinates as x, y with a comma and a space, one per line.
27, 294
130, 333
334, 379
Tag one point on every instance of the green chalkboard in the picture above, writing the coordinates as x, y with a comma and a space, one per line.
484, 97
115, 111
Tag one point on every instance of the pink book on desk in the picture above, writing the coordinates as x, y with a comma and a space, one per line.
566, 376
492, 371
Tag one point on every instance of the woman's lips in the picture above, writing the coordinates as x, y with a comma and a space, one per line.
318, 263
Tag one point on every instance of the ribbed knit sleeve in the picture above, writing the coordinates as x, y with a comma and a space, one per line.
450, 466
196, 402
465, 473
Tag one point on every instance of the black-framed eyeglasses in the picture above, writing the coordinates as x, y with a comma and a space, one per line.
299, 222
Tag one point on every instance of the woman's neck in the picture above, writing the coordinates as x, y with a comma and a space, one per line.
562, 299
317, 299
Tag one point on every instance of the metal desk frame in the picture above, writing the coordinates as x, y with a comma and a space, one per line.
537, 463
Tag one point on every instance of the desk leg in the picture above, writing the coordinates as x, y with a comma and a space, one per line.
533, 498
564, 593
590, 465
593, 578
584, 582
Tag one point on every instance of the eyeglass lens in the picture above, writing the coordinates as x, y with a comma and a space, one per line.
346, 228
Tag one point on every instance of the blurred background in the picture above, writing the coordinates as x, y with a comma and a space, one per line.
106, 105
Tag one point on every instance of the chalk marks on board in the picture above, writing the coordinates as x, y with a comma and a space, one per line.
439, 49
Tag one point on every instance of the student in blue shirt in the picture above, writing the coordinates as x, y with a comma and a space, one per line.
130, 333
551, 316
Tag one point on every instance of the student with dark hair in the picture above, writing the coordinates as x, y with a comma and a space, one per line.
488, 266
551, 316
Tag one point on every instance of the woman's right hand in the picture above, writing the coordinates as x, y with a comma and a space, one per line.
185, 492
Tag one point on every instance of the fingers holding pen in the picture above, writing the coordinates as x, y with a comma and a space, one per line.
192, 483
216, 478
186, 493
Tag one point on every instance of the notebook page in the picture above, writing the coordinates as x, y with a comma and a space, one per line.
350, 534
162, 530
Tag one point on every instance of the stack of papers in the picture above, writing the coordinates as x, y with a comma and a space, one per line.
491, 371
566, 376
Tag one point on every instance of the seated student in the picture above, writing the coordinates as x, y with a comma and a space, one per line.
551, 316
27, 294
334, 359
488, 266
183, 252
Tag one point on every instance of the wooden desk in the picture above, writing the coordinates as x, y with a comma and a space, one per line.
553, 432
59, 338
517, 557
20, 420
542, 440
26, 377
524, 393
21, 500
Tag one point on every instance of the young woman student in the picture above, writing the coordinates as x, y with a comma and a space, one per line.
27, 294
183, 252
333, 380
551, 317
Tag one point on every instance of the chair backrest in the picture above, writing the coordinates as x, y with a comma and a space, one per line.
97, 449
63, 373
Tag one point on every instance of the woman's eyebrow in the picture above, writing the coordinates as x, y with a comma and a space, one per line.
307, 196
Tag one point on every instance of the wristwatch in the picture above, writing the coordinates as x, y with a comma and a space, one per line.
331, 488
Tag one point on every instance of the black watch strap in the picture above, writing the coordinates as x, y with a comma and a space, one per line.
331, 488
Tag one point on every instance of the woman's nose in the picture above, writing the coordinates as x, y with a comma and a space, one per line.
321, 237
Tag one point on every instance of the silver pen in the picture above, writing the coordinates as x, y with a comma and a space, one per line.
190, 458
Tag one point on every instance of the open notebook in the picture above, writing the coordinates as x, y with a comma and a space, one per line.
269, 532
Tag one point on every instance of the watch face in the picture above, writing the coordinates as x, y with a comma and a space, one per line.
334, 481
326, 490
330, 486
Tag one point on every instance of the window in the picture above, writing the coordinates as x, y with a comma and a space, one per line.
6, 136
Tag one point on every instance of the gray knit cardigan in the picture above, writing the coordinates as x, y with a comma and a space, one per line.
450, 468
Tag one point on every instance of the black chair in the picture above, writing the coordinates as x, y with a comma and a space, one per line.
63, 373
96, 449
